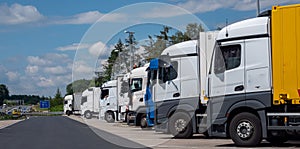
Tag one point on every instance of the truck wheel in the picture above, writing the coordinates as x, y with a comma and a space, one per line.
245, 129
180, 125
109, 117
68, 113
143, 121
278, 139
87, 114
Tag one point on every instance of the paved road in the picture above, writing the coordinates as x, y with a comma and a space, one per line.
55, 132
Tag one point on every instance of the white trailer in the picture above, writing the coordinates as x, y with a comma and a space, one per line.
90, 102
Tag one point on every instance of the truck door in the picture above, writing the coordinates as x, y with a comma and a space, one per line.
226, 78
168, 82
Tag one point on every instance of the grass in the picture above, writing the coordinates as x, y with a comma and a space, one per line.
10, 117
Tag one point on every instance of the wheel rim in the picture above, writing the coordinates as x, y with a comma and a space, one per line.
180, 125
244, 129
109, 117
87, 115
143, 122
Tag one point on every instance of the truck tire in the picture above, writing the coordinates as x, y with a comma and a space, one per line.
143, 121
180, 125
245, 129
109, 117
88, 114
68, 112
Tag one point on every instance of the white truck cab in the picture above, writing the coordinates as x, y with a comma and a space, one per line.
68, 104
90, 102
109, 102
137, 88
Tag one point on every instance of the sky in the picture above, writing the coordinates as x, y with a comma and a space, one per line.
47, 44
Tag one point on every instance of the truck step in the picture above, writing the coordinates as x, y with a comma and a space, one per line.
201, 115
283, 114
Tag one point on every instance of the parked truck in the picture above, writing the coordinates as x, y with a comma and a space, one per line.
123, 99
136, 112
68, 104
72, 103
90, 102
254, 82
114, 99
108, 101
176, 84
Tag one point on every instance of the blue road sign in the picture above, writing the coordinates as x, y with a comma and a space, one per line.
44, 104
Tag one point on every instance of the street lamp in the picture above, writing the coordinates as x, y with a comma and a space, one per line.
130, 40
119, 62
258, 7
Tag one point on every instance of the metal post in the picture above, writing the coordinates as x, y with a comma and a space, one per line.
258, 8
130, 38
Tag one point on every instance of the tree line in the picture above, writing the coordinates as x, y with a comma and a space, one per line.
119, 60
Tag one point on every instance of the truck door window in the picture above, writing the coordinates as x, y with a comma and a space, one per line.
153, 74
226, 58
83, 99
104, 93
136, 84
168, 73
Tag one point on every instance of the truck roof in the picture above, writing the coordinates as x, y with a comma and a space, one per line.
139, 72
187, 47
112, 83
90, 90
68, 97
246, 28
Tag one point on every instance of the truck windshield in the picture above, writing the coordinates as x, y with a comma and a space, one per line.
104, 93
136, 84
83, 99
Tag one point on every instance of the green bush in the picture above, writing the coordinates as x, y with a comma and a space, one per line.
57, 108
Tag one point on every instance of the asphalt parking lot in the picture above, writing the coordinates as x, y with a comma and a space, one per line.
152, 139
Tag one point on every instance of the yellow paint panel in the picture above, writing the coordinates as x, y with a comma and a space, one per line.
286, 51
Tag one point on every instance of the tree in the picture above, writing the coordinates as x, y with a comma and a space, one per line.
154, 48
4, 93
58, 94
78, 86
193, 29
56, 104
179, 37
114, 61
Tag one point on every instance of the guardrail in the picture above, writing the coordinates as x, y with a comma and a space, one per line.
43, 113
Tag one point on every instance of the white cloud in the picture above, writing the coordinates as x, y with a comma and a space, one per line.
163, 12
57, 70
90, 17
74, 46
12, 76
36, 60
31, 69
200, 6
45, 82
99, 49
82, 67
19, 14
